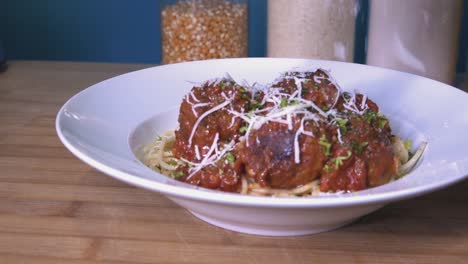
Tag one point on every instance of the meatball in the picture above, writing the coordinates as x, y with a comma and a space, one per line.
205, 121
365, 157
269, 155
316, 87
344, 172
198, 102
320, 90
225, 176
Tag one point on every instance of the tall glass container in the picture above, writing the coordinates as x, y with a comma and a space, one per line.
320, 29
203, 29
416, 36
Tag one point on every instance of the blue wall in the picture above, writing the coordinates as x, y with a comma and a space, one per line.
462, 65
122, 30
103, 30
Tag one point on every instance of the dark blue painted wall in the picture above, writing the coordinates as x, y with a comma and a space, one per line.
463, 50
103, 30
122, 30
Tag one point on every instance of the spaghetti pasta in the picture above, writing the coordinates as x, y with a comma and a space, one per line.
159, 157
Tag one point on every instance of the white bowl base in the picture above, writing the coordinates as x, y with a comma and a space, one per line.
271, 230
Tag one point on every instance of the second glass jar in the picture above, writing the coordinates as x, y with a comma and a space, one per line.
318, 29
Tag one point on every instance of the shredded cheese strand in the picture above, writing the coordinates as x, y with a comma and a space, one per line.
197, 153
212, 110
193, 97
202, 164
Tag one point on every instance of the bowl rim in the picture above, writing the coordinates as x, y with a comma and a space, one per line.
211, 196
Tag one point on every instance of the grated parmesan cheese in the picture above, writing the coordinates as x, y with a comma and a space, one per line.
284, 108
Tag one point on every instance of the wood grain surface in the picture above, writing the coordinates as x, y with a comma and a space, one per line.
56, 209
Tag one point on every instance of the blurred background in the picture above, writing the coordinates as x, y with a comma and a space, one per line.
103, 31
127, 31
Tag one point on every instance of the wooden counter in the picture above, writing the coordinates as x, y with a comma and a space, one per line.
56, 209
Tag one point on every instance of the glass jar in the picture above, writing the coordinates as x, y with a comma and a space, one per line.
417, 36
203, 29
318, 29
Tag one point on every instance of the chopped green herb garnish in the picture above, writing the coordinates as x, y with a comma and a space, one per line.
221, 171
284, 102
408, 144
339, 159
243, 129
341, 122
178, 174
370, 116
230, 157
254, 105
294, 102
324, 143
342, 125
326, 168
221, 84
172, 162
382, 123
358, 147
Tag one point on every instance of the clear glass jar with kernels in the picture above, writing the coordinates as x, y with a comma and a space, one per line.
203, 29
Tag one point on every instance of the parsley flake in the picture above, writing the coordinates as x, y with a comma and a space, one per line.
324, 143
382, 123
178, 174
358, 147
370, 116
339, 160
230, 157
284, 102
408, 144
342, 125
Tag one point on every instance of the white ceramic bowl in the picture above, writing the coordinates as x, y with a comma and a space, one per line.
105, 124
